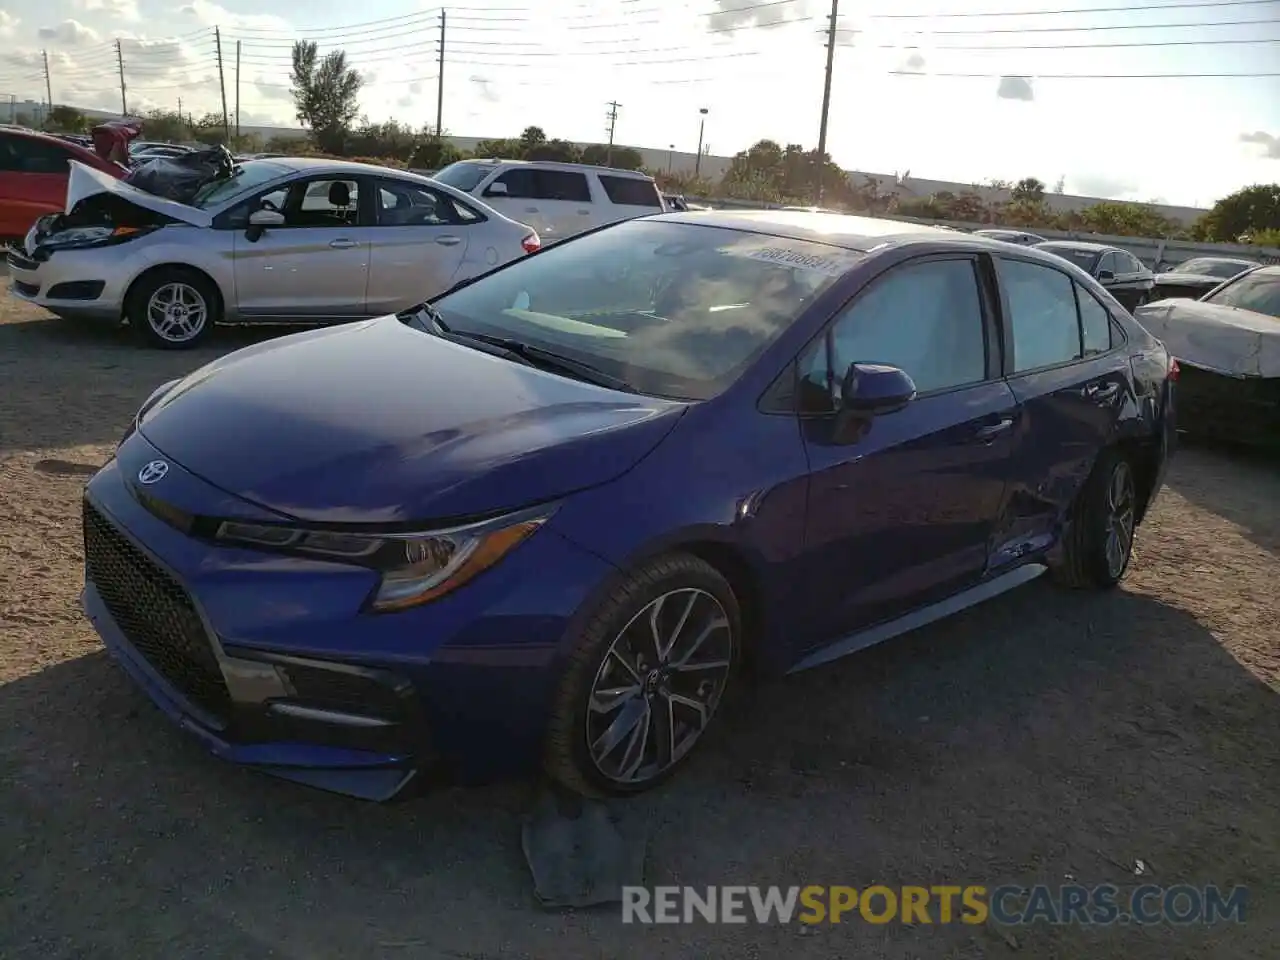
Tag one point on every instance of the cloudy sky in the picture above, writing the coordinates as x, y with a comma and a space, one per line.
952, 91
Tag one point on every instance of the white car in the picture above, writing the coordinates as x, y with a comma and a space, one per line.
556, 199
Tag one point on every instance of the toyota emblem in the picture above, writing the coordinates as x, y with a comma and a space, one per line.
153, 472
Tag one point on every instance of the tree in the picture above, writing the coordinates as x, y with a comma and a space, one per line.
434, 152
326, 94
531, 137
624, 158
168, 125
1028, 188
1244, 213
209, 129
560, 150
66, 119
498, 149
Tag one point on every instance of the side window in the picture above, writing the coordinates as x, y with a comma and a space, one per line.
563, 185
323, 203
925, 318
25, 155
411, 205
1095, 323
630, 191
520, 183
1112, 263
1042, 313
1132, 263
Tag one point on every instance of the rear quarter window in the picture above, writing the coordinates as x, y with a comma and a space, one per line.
630, 192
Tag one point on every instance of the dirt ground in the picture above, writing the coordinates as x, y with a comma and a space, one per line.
1043, 737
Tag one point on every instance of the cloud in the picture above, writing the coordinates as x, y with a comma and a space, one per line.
8, 23
116, 9
1015, 88
485, 86
415, 88
212, 15
1270, 144
69, 33
744, 13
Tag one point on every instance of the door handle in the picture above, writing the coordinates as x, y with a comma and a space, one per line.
989, 433
530, 209
584, 213
1101, 392
448, 241
342, 244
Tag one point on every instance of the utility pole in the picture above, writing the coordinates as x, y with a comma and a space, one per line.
124, 105
440, 85
222, 84
237, 89
613, 122
48, 84
702, 128
826, 98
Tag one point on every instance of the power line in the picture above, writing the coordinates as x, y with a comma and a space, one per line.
1084, 76
1054, 13
1091, 46
1090, 29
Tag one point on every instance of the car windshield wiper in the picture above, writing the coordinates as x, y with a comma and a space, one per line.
540, 357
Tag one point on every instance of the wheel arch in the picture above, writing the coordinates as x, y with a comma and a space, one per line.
151, 271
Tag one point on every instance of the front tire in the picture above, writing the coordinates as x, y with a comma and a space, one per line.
1098, 545
173, 308
645, 677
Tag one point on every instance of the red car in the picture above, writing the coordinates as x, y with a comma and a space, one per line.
33, 177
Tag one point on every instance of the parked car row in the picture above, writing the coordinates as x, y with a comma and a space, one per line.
546, 520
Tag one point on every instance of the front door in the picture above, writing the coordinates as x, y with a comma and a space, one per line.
33, 182
1069, 371
902, 510
315, 265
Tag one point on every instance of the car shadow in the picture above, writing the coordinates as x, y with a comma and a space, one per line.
1043, 735
1239, 484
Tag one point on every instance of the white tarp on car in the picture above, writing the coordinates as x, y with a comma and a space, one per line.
87, 182
1223, 339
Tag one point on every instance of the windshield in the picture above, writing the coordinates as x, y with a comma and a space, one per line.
1207, 267
1258, 291
247, 177
463, 176
672, 309
1084, 259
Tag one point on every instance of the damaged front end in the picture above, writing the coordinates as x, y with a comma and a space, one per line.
102, 211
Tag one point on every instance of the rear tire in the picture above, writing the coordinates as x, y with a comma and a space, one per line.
630, 711
1098, 544
174, 308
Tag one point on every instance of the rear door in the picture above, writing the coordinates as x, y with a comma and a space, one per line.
33, 181
314, 266
630, 196
522, 200
902, 510
419, 243
1067, 367
567, 203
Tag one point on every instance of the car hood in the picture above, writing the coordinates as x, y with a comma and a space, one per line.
86, 182
1215, 337
377, 422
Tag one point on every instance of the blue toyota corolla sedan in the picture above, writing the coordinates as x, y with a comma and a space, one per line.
545, 519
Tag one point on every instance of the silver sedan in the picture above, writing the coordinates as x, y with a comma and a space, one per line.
287, 240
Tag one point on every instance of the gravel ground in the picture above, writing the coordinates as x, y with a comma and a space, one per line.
1041, 737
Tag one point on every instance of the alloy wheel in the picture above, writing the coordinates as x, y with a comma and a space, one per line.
177, 312
1120, 518
658, 686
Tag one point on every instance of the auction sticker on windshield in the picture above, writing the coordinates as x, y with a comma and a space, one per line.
831, 264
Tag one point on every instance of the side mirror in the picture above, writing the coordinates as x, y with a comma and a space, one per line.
266, 218
1105, 276
874, 389
496, 190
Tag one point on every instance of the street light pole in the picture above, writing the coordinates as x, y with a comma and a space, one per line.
671, 152
702, 126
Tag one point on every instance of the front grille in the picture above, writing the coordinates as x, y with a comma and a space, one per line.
27, 289
154, 613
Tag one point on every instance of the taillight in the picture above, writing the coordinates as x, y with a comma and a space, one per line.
531, 243
1174, 370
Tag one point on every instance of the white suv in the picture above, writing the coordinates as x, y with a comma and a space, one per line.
557, 199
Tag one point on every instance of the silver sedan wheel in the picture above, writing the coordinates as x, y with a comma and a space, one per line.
1120, 517
177, 312
659, 685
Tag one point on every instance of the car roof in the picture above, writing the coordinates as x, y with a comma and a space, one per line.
1079, 245
1211, 259
561, 165
837, 229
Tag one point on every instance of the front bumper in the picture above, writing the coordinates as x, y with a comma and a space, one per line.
269, 663
69, 284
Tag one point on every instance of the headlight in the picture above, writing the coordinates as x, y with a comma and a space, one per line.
415, 568
80, 237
